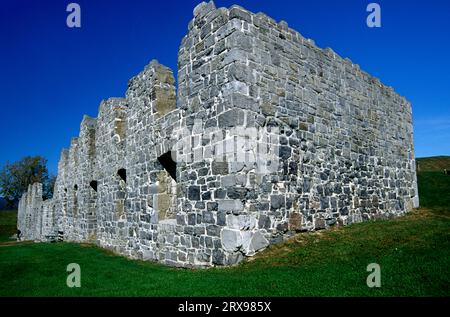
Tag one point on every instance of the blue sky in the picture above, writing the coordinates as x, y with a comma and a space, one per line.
50, 75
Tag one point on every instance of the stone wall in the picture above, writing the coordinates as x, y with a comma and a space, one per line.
267, 135
30, 216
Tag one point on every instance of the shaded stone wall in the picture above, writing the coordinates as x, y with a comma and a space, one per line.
48, 220
87, 195
60, 194
151, 118
111, 201
266, 136
30, 216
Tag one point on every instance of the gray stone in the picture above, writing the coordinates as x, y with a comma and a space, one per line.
234, 258
237, 192
194, 193
218, 257
208, 217
258, 242
240, 13
229, 180
231, 118
230, 205
212, 206
277, 201
221, 218
219, 168
231, 239
213, 230
241, 222
264, 222
203, 8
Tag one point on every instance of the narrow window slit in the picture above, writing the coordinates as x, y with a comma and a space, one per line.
93, 185
122, 174
169, 164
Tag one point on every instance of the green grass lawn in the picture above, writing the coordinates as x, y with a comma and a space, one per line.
413, 252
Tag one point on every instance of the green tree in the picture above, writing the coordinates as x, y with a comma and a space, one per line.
15, 178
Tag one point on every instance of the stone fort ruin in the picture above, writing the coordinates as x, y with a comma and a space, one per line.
266, 135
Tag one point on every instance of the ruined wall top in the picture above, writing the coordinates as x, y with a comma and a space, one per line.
205, 12
88, 122
152, 90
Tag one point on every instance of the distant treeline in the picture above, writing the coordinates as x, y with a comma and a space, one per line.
3, 205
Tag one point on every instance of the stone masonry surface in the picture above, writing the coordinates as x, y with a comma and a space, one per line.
168, 173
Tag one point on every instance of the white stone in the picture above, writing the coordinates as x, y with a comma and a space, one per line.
231, 239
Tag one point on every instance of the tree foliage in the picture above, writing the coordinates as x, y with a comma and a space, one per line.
15, 178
